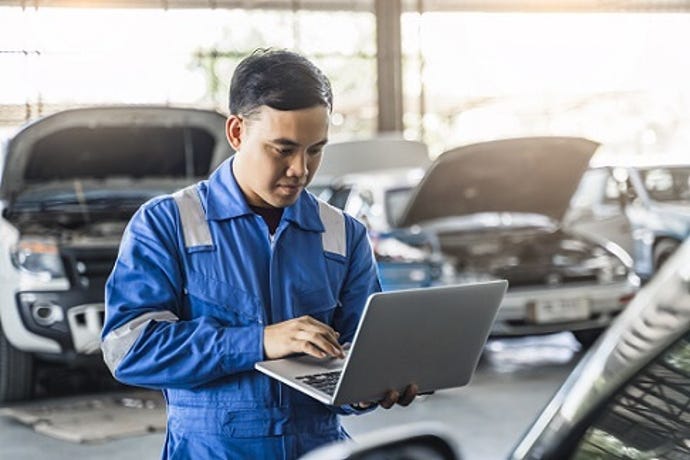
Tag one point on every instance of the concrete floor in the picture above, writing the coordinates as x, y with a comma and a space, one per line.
515, 379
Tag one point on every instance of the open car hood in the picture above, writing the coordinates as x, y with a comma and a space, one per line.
366, 156
136, 142
525, 175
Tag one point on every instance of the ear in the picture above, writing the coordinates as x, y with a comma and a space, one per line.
234, 131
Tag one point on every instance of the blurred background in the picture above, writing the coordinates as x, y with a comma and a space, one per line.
467, 71
543, 142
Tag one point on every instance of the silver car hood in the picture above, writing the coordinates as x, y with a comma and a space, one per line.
526, 175
114, 142
369, 155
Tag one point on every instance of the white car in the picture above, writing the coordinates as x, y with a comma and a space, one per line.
640, 203
70, 183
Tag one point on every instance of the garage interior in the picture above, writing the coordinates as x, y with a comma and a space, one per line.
442, 73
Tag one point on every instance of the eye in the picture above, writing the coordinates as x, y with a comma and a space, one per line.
314, 152
284, 151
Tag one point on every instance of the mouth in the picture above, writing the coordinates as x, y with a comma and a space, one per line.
291, 188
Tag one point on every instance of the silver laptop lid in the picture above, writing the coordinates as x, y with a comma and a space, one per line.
431, 336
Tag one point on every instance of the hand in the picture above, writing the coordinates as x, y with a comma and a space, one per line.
392, 397
301, 335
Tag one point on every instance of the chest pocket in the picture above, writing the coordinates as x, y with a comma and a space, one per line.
318, 303
228, 304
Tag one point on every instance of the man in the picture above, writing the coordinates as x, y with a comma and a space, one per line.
243, 267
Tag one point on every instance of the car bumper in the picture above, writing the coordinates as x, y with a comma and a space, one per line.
72, 318
563, 308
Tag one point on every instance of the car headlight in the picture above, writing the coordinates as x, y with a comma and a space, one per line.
609, 268
38, 257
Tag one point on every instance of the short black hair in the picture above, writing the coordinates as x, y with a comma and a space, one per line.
280, 79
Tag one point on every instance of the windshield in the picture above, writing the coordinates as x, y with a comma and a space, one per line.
589, 189
396, 201
666, 183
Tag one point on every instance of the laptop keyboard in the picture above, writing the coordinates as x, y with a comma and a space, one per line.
325, 381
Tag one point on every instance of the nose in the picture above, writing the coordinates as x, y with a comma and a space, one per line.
298, 165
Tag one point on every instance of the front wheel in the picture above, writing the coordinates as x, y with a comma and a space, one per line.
16, 372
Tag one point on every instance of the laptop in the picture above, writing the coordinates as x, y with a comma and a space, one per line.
432, 337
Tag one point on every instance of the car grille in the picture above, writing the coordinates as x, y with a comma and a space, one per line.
89, 267
534, 277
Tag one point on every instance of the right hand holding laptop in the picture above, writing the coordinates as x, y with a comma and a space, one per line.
301, 335
392, 397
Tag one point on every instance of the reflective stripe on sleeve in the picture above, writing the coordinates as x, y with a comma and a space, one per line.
193, 218
119, 341
333, 238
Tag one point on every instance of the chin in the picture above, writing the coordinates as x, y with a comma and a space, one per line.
283, 202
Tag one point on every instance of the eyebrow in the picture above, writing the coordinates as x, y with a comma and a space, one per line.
290, 143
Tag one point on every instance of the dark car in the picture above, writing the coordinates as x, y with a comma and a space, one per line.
70, 183
628, 398
495, 210
640, 203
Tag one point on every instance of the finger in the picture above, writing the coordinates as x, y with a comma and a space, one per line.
409, 395
390, 399
310, 349
324, 342
364, 405
319, 341
311, 324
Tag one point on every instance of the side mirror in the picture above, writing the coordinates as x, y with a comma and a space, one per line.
626, 190
421, 441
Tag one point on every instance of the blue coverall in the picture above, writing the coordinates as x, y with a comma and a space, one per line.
188, 299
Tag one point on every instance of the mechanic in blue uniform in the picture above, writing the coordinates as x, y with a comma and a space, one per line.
243, 267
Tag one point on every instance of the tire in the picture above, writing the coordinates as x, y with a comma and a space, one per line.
663, 249
16, 372
587, 337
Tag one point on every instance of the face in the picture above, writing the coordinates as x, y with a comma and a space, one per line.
278, 152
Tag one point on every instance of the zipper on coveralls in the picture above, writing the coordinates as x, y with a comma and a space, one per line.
272, 288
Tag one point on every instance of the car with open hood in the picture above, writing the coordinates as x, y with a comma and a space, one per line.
364, 156
371, 179
495, 210
70, 183
641, 203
